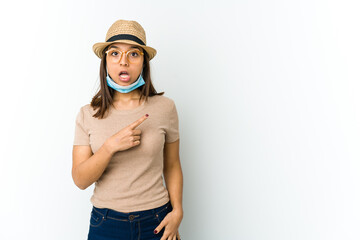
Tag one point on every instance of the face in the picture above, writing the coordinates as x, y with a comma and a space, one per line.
133, 69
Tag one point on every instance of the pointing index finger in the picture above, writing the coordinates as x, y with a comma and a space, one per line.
139, 121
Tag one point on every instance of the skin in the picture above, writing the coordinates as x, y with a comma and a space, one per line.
125, 100
88, 167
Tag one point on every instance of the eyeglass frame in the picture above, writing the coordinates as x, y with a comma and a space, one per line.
126, 52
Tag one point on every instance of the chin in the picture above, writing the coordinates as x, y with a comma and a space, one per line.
125, 83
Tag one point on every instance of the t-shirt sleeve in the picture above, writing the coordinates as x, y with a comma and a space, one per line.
172, 130
81, 135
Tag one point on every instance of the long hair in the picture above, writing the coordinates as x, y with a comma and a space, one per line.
103, 99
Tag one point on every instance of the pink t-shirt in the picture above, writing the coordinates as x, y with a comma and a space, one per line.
133, 179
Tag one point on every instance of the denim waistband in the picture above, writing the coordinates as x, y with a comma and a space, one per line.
138, 215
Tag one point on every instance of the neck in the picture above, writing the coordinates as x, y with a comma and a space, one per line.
126, 97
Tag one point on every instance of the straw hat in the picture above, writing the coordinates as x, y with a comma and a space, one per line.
125, 31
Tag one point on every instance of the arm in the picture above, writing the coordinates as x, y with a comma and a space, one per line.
87, 167
173, 175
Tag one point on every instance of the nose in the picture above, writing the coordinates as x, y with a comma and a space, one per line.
123, 59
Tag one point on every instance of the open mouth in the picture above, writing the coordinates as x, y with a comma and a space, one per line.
123, 73
124, 76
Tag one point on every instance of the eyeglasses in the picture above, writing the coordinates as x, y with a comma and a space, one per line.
132, 55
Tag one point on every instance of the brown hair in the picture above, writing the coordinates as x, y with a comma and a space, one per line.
103, 99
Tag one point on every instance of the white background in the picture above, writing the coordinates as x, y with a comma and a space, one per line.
267, 94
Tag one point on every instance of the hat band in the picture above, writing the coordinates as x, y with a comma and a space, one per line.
125, 37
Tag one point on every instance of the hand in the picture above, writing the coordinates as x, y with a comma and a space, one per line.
171, 223
126, 138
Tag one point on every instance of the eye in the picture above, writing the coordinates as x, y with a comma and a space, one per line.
134, 53
114, 53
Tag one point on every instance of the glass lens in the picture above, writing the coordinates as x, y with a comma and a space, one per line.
114, 55
134, 55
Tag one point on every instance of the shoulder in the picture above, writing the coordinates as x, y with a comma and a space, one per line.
163, 101
87, 110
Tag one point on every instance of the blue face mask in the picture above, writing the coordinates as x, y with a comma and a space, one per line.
124, 89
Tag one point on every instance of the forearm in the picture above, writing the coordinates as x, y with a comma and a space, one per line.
91, 170
174, 183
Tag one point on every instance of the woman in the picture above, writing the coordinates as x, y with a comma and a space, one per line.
125, 139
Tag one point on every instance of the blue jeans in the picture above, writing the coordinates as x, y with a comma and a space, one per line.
108, 224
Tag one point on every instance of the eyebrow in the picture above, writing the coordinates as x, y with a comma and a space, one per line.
113, 46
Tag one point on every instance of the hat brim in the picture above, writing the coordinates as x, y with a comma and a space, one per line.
100, 46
